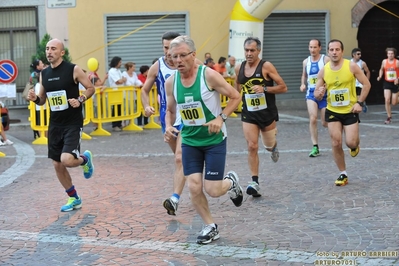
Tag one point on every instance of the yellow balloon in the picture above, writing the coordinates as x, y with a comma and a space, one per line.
92, 64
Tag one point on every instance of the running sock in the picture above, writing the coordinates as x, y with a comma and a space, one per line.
84, 159
72, 192
175, 197
317, 146
344, 173
213, 225
255, 179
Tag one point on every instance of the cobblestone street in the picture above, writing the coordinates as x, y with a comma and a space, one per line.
301, 219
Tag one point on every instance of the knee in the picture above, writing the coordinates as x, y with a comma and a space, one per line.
335, 143
212, 192
213, 188
57, 165
313, 119
252, 147
194, 187
68, 160
67, 163
269, 139
352, 144
178, 159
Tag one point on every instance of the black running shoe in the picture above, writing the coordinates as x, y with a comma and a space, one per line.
235, 191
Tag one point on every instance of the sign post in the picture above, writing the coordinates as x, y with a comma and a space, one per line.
8, 74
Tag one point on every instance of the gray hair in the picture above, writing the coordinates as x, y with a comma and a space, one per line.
250, 40
183, 39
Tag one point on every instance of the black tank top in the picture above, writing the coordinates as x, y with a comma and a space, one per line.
60, 79
270, 113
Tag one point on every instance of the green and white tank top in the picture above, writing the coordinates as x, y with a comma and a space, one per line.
198, 105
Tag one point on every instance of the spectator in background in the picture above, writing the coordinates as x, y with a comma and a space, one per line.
209, 63
131, 80
4, 140
97, 84
94, 74
142, 77
131, 76
143, 73
206, 56
221, 66
230, 65
116, 79
37, 67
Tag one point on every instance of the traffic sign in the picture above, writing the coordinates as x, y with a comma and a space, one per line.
8, 71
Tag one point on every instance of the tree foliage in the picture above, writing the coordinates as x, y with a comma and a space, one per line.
41, 51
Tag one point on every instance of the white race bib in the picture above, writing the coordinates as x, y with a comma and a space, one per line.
340, 97
192, 114
312, 79
390, 75
255, 102
57, 100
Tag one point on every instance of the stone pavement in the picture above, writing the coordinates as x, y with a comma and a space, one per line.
301, 219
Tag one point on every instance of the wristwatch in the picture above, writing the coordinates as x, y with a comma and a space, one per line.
361, 103
223, 116
82, 98
265, 88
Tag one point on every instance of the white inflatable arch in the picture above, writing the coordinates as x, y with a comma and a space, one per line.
247, 21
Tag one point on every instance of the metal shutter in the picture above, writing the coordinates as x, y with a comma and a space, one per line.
18, 42
144, 45
285, 44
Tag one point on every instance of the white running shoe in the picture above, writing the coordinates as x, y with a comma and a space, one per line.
8, 142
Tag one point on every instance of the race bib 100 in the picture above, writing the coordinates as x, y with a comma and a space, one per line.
192, 114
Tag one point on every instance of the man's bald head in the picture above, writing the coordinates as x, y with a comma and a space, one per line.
54, 52
57, 42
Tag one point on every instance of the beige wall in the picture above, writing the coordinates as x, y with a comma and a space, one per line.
57, 24
208, 23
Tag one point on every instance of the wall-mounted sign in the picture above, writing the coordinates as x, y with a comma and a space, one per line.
61, 3
8, 71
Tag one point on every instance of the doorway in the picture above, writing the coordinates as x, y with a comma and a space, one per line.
377, 31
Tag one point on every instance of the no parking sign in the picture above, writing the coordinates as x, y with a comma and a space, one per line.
8, 71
